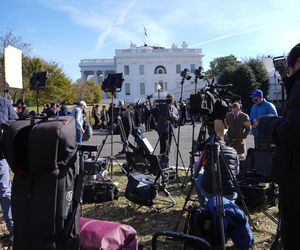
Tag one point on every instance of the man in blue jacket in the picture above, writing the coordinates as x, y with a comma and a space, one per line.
260, 108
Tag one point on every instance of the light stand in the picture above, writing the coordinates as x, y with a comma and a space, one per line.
112, 84
198, 75
188, 77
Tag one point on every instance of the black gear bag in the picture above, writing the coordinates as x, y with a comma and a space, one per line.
46, 185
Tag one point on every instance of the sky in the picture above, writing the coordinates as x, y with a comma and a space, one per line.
68, 31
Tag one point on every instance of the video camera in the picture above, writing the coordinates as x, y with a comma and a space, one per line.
213, 102
198, 73
186, 74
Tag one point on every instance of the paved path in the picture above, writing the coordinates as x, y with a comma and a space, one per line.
185, 143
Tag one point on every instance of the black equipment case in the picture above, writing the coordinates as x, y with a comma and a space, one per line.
46, 183
256, 182
99, 191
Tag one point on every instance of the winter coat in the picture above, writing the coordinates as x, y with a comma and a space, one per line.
233, 162
286, 134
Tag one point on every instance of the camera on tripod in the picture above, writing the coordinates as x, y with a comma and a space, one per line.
213, 102
198, 73
185, 74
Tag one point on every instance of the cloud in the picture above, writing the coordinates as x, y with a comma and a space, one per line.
227, 36
173, 21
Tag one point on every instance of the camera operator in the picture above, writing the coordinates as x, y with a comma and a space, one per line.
167, 116
127, 117
285, 132
203, 184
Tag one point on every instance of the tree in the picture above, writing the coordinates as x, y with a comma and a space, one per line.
261, 74
88, 91
58, 86
220, 65
244, 81
245, 76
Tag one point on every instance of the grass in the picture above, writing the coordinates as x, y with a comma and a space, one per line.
147, 222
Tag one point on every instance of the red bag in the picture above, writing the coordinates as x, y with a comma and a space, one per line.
97, 234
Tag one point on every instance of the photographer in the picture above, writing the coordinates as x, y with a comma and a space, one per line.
167, 116
127, 117
285, 132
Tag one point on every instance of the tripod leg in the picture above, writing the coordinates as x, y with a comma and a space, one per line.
240, 195
155, 146
177, 146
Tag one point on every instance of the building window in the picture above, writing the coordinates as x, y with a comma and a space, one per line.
142, 88
126, 69
178, 68
127, 88
166, 86
193, 68
160, 70
142, 69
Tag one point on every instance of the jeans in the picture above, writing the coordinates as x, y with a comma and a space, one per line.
79, 136
5, 194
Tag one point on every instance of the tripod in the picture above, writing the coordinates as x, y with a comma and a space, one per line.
178, 133
214, 151
193, 151
171, 133
112, 84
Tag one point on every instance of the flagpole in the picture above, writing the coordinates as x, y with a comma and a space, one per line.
145, 34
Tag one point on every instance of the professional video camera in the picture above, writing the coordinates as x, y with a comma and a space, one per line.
186, 74
212, 102
198, 73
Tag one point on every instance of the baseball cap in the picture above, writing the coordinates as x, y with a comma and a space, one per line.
82, 103
293, 55
257, 93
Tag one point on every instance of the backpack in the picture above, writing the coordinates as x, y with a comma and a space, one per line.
46, 183
200, 223
139, 190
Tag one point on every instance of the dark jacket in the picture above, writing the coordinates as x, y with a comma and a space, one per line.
232, 159
127, 120
167, 117
286, 133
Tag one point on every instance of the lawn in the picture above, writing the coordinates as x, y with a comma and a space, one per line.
147, 222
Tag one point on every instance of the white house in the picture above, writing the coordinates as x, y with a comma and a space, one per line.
146, 69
